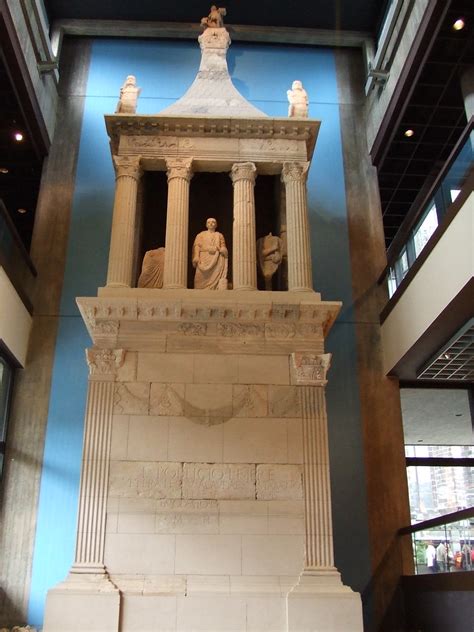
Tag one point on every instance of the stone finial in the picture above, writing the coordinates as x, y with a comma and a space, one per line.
298, 100
215, 18
128, 98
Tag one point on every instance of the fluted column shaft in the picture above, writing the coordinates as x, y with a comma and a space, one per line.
128, 172
177, 221
244, 240
299, 252
90, 539
317, 496
308, 372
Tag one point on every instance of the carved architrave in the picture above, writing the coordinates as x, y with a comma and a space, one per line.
104, 363
310, 369
179, 168
127, 166
294, 172
243, 171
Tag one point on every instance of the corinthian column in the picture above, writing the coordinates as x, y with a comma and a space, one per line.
244, 258
177, 220
309, 372
127, 174
299, 252
103, 364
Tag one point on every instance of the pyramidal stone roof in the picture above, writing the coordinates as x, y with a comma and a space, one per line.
212, 92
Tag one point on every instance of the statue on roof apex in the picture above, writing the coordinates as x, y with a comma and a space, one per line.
214, 19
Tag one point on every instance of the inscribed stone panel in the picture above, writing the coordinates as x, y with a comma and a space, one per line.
203, 480
279, 482
145, 480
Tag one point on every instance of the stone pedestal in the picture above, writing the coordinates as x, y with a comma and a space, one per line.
120, 269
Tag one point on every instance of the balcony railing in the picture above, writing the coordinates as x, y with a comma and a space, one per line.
15, 259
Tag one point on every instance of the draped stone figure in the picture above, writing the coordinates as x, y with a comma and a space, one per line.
128, 98
298, 100
152, 269
210, 258
269, 254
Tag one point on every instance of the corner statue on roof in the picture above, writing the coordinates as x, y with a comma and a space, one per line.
128, 98
298, 99
214, 19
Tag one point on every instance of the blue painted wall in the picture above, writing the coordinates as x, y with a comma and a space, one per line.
164, 71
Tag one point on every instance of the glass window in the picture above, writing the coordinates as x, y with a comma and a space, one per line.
454, 193
5, 389
392, 282
402, 265
425, 229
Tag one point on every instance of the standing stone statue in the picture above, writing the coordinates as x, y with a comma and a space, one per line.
269, 257
129, 92
210, 258
152, 269
298, 100
214, 19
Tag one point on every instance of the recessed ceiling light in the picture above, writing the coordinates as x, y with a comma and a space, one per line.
4, 170
446, 356
409, 133
18, 136
22, 210
459, 24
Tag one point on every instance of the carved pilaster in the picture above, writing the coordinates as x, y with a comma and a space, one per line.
244, 260
128, 173
309, 372
177, 220
294, 176
103, 366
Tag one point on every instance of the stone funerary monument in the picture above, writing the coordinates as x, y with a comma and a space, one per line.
205, 497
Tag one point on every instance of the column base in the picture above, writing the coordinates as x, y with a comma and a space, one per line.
321, 603
84, 601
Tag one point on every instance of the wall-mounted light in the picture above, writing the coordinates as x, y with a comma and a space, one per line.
18, 136
459, 24
409, 133
22, 211
4, 170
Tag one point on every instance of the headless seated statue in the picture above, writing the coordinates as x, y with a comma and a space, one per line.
152, 269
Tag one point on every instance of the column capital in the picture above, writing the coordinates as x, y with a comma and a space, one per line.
104, 363
127, 166
243, 171
294, 172
179, 168
309, 369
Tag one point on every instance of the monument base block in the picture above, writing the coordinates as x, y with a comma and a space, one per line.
83, 602
321, 603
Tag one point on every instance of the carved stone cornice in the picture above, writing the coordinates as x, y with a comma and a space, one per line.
181, 318
294, 172
127, 166
189, 127
179, 168
104, 362
243, 171
310, 369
